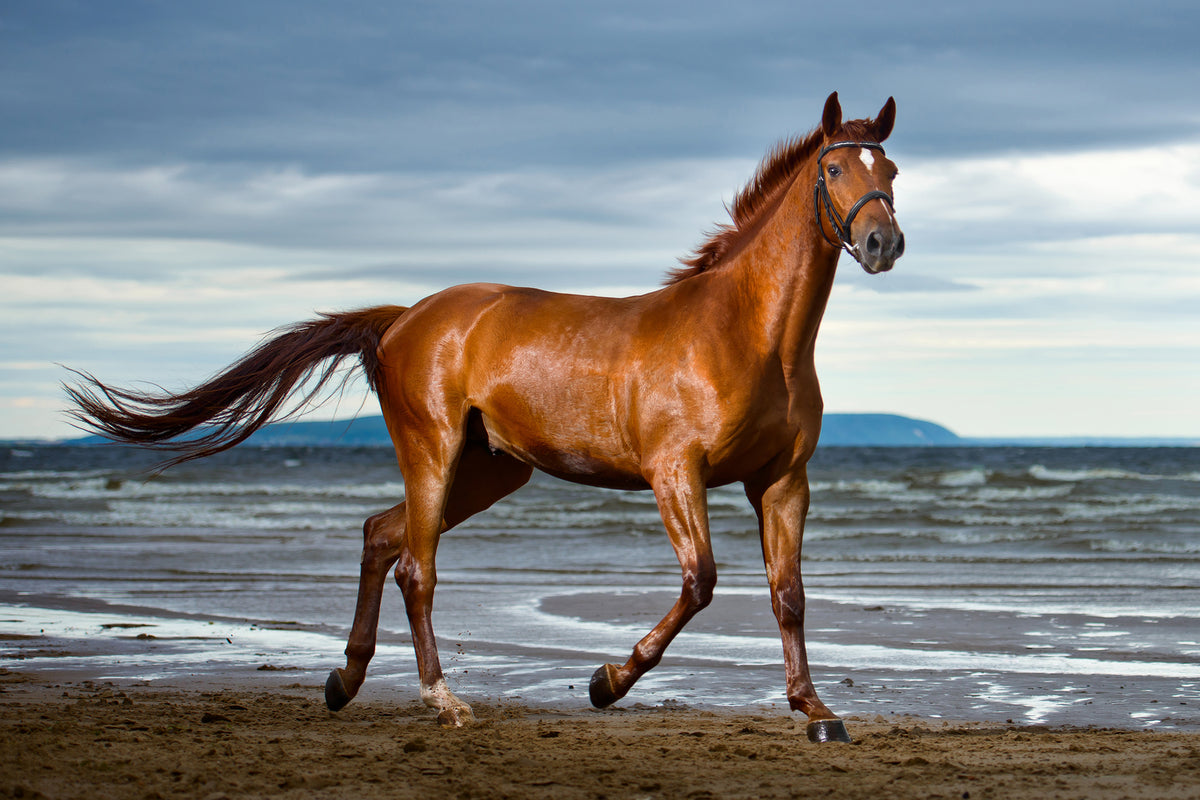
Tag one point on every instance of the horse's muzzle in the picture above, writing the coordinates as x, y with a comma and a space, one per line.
880, 248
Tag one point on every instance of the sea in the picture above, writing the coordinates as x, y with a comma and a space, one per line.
1013, 585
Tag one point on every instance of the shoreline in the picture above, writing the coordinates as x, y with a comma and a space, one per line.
873, 672
101, 740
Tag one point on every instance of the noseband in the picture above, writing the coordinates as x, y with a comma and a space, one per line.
821, 198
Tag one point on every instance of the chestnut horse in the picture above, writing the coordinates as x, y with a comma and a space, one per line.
707, 381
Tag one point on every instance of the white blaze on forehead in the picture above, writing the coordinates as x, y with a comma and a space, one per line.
867, 158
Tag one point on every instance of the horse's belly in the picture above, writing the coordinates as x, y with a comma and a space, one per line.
560, 448
588, 471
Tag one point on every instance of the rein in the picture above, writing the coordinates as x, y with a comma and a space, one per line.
821, 198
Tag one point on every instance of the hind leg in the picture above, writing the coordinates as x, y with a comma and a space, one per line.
383, 535
481, 480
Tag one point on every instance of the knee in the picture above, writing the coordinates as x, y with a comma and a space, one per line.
698, 586
380, 538
413, 578
371, 531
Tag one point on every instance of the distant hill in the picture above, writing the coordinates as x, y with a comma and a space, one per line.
357, 432
883, 430
873, 430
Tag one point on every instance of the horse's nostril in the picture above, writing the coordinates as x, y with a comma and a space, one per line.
900, 246
874, 244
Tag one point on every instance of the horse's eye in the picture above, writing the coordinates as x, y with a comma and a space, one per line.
834, 171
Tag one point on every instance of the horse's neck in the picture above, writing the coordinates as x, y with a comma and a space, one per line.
786, 275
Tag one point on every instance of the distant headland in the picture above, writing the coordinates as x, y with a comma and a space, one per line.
878, 430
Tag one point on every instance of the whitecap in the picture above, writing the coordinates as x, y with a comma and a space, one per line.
965, 477
1043, 473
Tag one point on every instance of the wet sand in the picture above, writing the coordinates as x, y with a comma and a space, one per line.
867, 661
91, 739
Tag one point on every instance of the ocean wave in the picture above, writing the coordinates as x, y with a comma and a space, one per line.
1043, 473
867, 486
861, 538
25, 476
104, 487
1148, 508
183, 516
1147, 547
998, 494
976, 476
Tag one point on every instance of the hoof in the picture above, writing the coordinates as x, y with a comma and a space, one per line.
336, 696
602, 689
828, 730
455, 716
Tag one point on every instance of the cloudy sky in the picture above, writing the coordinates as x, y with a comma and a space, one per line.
178, 178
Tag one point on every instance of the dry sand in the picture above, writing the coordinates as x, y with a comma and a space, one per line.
96, 740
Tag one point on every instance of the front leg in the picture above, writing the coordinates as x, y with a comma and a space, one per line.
683, 504
781, 503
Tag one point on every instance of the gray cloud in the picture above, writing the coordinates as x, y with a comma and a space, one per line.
478, 84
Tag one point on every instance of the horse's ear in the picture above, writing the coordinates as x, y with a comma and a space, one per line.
831, 118
885, 120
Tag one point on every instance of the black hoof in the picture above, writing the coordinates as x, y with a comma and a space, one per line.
828, 730
601, 690
336, 696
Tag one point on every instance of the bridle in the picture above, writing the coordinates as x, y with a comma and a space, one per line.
821, 198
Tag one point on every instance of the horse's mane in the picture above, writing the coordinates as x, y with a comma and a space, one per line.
773, 177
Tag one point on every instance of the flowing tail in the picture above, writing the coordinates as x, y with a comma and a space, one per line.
243, 398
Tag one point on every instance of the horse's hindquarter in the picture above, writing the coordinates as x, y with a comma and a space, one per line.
529, 372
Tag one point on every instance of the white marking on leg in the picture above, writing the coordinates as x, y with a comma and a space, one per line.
438, 695
868, 159
452, 711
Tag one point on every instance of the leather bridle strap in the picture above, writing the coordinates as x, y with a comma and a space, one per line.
821, 198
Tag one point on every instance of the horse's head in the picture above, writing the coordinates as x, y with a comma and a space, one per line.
853, 194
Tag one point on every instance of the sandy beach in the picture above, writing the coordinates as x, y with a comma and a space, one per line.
102, 740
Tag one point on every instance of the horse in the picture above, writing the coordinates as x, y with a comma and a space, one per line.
707, 381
